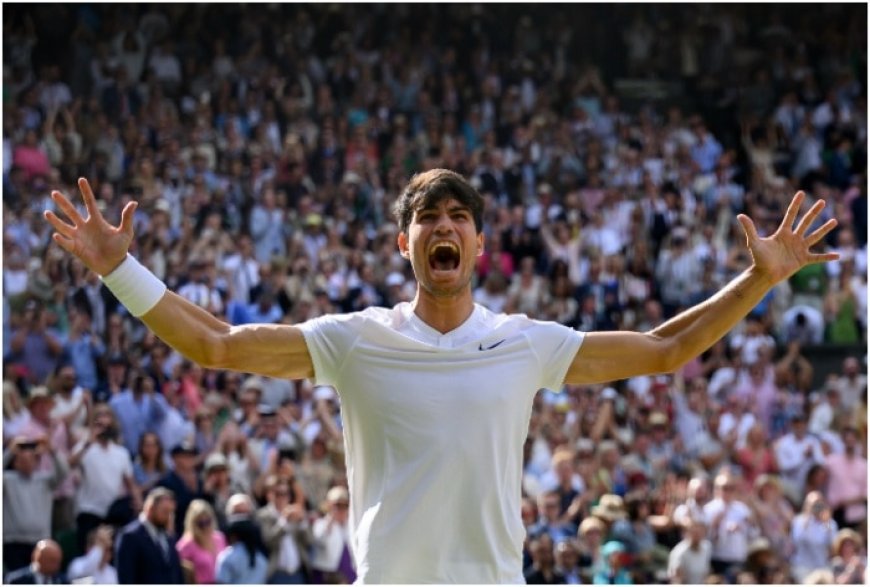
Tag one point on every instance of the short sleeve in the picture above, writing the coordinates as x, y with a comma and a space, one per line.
556, 346
329, 339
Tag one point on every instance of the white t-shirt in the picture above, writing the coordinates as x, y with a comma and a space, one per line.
103, 471
735, 532
434, 430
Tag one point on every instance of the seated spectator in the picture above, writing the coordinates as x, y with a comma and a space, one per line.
543, 570
200, 544
44, 569
812, 532
95, 565
689, 560
613, 571
241, 563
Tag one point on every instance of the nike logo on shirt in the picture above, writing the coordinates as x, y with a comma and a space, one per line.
489, 348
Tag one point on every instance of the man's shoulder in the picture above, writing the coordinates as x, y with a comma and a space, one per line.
132, 528
22, 576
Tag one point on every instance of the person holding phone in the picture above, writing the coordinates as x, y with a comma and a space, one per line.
27, 498
813, 532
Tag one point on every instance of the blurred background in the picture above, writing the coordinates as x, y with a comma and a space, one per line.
614, 146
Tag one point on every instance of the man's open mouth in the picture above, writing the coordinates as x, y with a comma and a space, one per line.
444, 256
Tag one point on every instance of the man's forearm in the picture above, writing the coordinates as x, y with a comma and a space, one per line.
697, 329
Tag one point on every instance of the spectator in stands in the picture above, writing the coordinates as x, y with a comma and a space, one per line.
139, 409
543, 570
813, 532
241, 563
732, 526
200, 543
27, 498
590, 536
35, 344
613, 570
96, 564
144, 549
847, 487
108, 493
183, 480
286, 533
849, 563
84, 348
796, 452
331, 559
45, 568
568, 562
689, 560
149, 465
773, 512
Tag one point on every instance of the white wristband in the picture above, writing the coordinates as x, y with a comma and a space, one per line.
134, 286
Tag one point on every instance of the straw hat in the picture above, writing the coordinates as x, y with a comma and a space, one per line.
844, 535
610, 508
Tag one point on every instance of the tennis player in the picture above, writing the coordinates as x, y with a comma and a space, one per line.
436, 393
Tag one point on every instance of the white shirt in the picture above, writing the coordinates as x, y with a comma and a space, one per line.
792, 458
692, 565
731, 538
434, 431
88, 567
103, 471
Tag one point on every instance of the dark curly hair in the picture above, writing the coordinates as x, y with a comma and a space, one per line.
426, 189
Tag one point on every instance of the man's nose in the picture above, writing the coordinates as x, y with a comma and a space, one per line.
444, 224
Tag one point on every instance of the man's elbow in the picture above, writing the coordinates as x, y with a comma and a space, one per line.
671, 356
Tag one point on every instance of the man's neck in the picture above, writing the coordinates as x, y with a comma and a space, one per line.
443, 313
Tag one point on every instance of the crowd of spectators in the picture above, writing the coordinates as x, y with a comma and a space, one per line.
265, 145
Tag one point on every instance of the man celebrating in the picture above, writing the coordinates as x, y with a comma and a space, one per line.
436, 393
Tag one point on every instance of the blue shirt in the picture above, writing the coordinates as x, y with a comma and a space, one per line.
234, 567
135, 417
83, 354
706, 153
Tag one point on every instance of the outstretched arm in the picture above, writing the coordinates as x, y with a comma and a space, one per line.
609, 356
272, 350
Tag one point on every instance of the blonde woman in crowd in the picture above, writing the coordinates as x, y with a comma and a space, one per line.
199, 546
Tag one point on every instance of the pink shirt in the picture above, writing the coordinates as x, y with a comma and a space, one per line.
848, 482
203, 560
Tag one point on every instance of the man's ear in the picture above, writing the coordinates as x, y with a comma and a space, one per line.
481, 241
402, 242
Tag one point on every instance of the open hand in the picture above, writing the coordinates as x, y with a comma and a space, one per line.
787, 250
98, 244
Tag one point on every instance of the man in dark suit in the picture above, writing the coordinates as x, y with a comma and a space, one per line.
45, 568
145, 552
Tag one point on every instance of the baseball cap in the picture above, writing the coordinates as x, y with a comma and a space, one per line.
215, 461
185, 448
